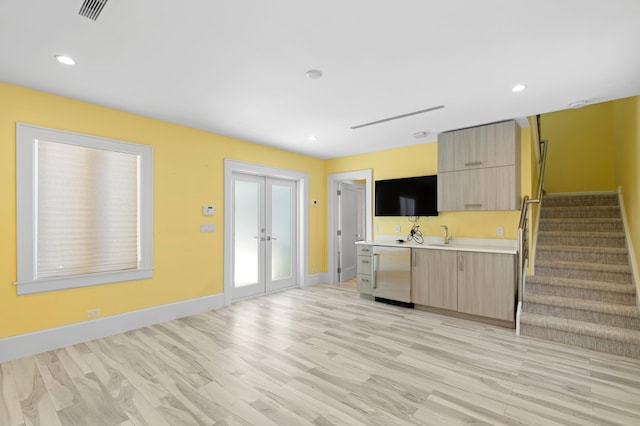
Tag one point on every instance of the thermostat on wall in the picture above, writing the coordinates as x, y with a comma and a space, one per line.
207, 210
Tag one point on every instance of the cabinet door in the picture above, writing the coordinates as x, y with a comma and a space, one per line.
492, 145
446, 148
486, 284
434, 278
494, 188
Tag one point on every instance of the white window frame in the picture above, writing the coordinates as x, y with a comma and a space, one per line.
27, 137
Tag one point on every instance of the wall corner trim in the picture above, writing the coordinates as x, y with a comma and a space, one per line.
28, 344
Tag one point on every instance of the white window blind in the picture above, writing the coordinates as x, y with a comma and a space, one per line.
87, 215
84, 210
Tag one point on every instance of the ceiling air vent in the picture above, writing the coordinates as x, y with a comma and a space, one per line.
92, 8
384, 120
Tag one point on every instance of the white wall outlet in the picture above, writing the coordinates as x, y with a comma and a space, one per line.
397, 228
207, 227
208, 210
500, 230
375, 228
92, 313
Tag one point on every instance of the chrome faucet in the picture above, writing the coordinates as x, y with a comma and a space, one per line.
447, 237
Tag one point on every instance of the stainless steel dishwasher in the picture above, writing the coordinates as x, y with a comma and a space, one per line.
391, 275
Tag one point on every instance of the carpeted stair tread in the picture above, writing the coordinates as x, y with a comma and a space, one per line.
610, 199
577, 253
630, 311
580, 212
580, 327
584, 249
593, 224
563, 264
585, 284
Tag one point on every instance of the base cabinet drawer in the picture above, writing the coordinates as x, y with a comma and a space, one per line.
365, 284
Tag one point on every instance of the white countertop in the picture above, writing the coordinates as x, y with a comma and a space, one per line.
484, 245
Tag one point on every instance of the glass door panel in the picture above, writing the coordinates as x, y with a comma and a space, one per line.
248, 229
281, 232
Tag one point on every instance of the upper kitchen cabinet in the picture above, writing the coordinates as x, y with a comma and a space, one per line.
471, 157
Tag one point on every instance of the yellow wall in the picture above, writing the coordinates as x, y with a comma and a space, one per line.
422, 159
626, 113
581, 155
188, 173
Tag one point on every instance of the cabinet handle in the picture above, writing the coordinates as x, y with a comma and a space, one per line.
365, 261
364, 280
415, 263
473, 163
460, 263
472, 205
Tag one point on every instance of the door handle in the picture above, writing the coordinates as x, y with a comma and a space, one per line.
271, 238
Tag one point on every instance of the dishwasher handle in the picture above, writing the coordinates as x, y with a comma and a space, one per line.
374, 284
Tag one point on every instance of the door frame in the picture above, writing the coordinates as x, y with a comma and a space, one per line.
332, 214
302, 216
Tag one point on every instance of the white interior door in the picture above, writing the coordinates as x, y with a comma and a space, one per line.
264, 235
350, 227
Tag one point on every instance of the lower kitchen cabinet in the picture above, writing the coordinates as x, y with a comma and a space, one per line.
364, 267
486, 284
434, 278
476, 283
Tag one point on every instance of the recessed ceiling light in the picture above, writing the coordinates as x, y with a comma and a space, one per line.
518, 88
578, 104
67, 60
314, 74
312, 138
420, 135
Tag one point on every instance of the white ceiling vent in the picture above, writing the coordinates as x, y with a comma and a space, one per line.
384, 120
92, 8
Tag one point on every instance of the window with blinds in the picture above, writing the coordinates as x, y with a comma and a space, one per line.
84, 210
87, 210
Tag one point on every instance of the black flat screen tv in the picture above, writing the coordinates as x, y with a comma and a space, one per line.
413, 196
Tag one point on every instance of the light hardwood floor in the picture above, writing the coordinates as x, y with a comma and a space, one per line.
319, 356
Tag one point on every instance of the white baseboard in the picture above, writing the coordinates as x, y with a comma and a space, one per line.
314, 279
54, 338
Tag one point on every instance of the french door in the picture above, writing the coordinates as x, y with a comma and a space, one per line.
264, 235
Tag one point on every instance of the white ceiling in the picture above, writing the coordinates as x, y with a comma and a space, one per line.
237, 67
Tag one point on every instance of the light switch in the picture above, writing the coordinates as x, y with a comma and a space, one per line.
207, 227
208, 210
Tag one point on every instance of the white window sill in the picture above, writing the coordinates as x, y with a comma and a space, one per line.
62, 283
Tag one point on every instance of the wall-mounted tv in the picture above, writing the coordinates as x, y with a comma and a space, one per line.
413, 196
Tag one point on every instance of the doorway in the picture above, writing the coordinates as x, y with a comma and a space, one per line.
334, 252
351, 226
265, 229
264, 235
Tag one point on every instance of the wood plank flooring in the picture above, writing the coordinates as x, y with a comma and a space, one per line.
319, 356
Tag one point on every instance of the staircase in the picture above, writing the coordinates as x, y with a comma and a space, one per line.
582, 292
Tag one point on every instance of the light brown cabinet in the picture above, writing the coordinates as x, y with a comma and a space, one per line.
475, 283
434, 278
479, 168
486, 284
364, 269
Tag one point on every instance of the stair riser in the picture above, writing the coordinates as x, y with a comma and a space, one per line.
582, 201
580, 315
582, 241
584, 341
560, 213
546, 225
582, 274
583, 293
586, 257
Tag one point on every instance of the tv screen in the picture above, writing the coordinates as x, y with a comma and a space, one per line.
414, 196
